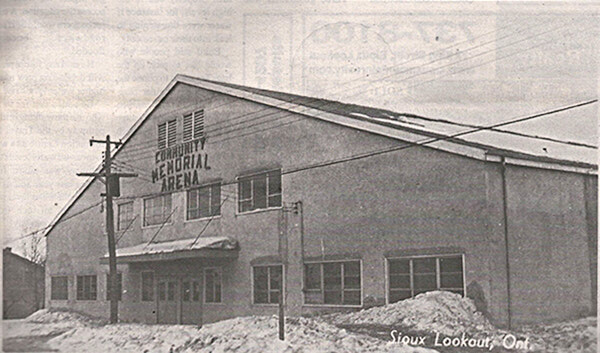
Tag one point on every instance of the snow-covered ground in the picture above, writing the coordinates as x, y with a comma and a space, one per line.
446, 313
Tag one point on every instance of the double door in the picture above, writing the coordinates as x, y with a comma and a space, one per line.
179, 300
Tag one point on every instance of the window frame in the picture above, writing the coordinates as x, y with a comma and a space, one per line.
170, 221
202, 124
437, 258
121, 227
168, 133
204, 287
120, 284
84, 297
154, 290
187, 201
322, 289
66, 289
240, 178
283, 281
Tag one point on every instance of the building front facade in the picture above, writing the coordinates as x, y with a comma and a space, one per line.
242, 194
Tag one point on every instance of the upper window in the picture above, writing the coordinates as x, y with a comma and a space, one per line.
119, 286
125, 215
86, 287
167, 134
212, 285
411, 276
147, 286
259, 191
193, 125
204, 202
59, 288
157, 210
333, 283
267, 284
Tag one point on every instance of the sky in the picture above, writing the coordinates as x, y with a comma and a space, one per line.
72, 69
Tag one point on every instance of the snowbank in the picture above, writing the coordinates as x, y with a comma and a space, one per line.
577, 336
447, 313
243, 334
63, 316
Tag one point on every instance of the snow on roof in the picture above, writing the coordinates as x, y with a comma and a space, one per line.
219, 243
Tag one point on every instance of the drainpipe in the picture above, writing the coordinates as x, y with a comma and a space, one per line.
506, 253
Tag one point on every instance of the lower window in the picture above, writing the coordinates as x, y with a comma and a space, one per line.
59, 288
267, 284
147, 286
408, 277
212, 285
334, 283
86, 287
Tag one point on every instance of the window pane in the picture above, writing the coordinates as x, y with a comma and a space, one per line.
312, 276
119, 288
196, 289
399, 266
425, 282
275, 201
172, 287
147, 286
245, 206
333, 297
204, 202
400, 281
260, 278
451, 264
162, 291
352, 297
332, 273
352, 268
454, 280
192, 199
275, 277
313, 297
259, 191
274, 182
274, 297
186, 288
397, 295
215, 200
59, 288
261, 297
424, 265
245, 189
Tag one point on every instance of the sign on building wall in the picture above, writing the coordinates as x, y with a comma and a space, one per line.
177, 167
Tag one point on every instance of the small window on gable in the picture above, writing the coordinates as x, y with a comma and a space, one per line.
193, 125
167, 134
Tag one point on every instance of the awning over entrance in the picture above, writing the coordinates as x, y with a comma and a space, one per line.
204, 247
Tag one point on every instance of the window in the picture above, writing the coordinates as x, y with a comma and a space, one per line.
333, 283
119, 286
267, 284
191, 291
411, 276
125, 215
259, 191
147, 286
193, 125
167, 134
59, 288
212, 286
157, 210
204, 202
86, 287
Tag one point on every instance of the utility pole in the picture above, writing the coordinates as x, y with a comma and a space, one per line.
111, 181
283, 242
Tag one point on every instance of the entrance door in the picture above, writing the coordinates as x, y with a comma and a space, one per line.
191, 301
168, 297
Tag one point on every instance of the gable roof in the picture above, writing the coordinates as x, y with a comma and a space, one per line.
491, 145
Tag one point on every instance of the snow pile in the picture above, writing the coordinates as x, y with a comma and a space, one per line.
447, 313
243, 334
63, 316
578, 336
